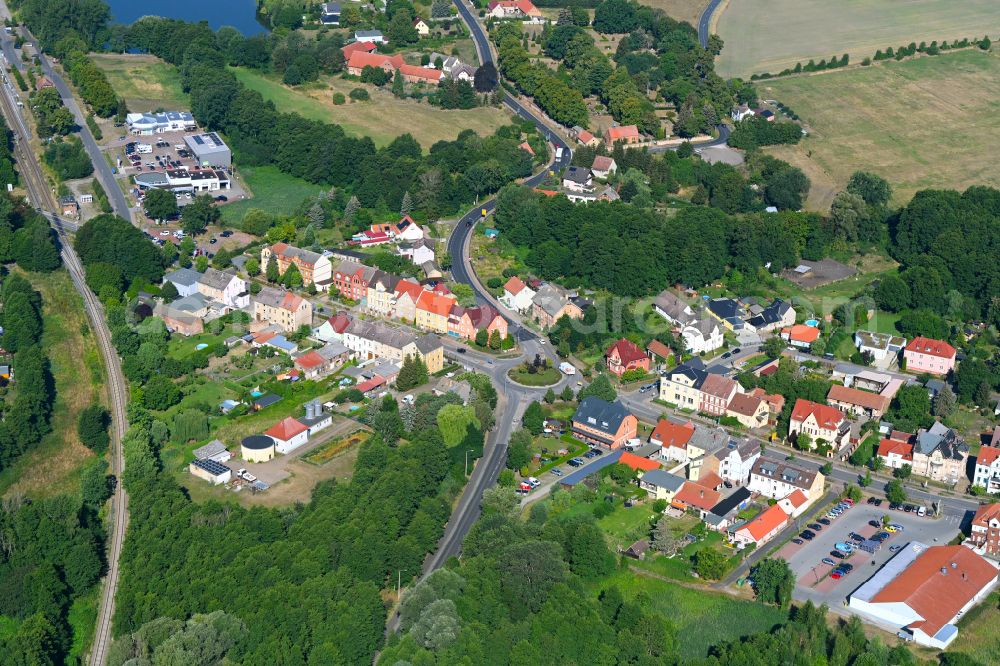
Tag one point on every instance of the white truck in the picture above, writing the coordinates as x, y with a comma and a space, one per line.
567, 368
144, 148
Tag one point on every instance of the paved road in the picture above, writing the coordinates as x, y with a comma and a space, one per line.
101, 167
705, 21
41, 198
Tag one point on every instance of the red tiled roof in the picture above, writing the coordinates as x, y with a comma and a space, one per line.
428, 73
718, 386
638, 462
827, 417
527, 148
583, 136
438, 304
697, 496
931, 346
366, 47
369, 384
340, 322
744, 404
710, 480
361, 59
623, 132
987, 454
887, 447
264, 336
286, 428
410, 288
291, 301
548, 193
309, 360
986, 513
797, 498
659, 349
938, 584
671, 434
514, 285
801, 333
766, 522
602, 163
853, 396
628, 351
774, 400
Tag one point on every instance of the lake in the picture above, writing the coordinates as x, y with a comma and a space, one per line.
240, 14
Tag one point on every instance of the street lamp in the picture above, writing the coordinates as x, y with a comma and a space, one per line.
468, 451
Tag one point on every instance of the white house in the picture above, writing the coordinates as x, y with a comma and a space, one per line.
516, 295
779, 479
703, 335
288, 434
373, 36
603, 167
185, 281
316, 419
214, 472
742, 111
333, 328
879, 345
419, 251
734, 462
224, 287
578, 179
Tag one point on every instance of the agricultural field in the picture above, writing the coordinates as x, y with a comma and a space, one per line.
383, 118
770, 35
682, 10
923, 123
54, 466
146, 82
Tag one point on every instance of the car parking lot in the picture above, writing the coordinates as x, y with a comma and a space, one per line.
813, 575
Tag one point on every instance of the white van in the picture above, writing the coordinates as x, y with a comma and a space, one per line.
921, 511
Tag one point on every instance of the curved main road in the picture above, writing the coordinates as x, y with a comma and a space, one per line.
705, 21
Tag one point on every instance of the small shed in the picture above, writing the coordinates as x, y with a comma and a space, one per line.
214, 450
87, 198
637, 551
211, 471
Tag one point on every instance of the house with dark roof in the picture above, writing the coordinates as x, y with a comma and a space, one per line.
778, 314
660, 484
729, 313
671, 307
604, 423
578, 179
940, 454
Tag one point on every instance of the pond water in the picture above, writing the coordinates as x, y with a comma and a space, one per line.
240, 14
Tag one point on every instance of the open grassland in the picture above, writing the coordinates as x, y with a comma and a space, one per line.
383, 118
682, 10
274, 192
977, 635
54, 465
146, 82
702, 617
930, 122
770, 35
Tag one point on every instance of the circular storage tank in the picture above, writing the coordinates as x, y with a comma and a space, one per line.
257, 448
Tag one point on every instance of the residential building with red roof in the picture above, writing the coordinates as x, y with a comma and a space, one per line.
624, 133
432, 311
800, 335
417, 74
369, 386
587, 139
761, 529
288, 434
716, 393
312, 266
333, 328
407, 293
623, 356
985, 533
360, 59
363, 47
936, 357
668, 435
638, 463
987, 472
603, 167
820, 422
775, 402
351, 279
897, 450
526, 147
512, 9
794, 504
517, 295
858, 402
924, 590
465, 323
697, 497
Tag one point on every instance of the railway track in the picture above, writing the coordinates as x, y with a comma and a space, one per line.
41, 196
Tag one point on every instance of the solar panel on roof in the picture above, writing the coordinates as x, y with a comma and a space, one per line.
212, 467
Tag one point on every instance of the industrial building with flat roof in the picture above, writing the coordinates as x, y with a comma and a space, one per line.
209, 149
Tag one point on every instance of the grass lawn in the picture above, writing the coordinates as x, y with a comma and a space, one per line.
770, 35
825, 299
82, 620
54, 465
682, 10
883, 322
627, 525
273, 191
546, 377
702, 617
383, 118
146, 82
923, 123
977, 635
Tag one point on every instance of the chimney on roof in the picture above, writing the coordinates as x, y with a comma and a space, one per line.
944, 571
954, 566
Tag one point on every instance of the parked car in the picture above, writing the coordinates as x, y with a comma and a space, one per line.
797, 541
848, 501
737, 350
882, 535
845, 567
816, 527
839, 555
874, 523
807, 535
836, 574
895, 549
727, 355
830, 561
825, 521
844, 546
899, 528
557, 471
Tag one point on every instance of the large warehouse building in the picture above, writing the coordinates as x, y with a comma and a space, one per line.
924, 590
209, 149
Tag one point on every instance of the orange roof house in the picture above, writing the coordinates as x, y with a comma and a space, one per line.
624, 133
818, 422
895, 453
415, 74
625, 355
668, 434
360, 59
692, 495
801, 335
638, 463
364, 47
763, 528
288, 434
858, 402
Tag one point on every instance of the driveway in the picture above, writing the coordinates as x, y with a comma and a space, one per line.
812, 577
